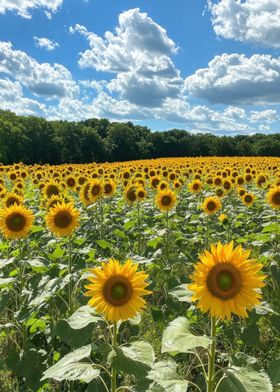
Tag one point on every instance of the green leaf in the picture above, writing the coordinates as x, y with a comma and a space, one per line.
5, 282
74, 337
104, 244
271, 228
251, 335
36, 229
274, 371
119, 233
165, 375
84, 316
72, 368
177, 337
182, 293
135, 359
245, 379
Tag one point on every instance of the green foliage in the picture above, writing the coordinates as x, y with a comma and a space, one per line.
36, 140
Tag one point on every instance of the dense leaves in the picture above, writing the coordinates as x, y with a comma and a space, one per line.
36, 140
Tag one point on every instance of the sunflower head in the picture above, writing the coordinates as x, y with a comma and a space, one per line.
273, 197
95, 190
211, 205
16, 221
248, 199
195, 186
141, 194
62, 219
226, 281
116, 290
166, 199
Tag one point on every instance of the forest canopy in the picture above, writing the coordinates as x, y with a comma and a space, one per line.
36, 140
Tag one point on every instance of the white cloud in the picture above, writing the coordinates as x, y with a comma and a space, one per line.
23, 7
138, 52
12, 98
268, 115
45, 43
237, 79
256, 21
50, 81
264, 128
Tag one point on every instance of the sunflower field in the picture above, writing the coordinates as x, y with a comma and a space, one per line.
156, 275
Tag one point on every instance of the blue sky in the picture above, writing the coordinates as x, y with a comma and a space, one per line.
204, 66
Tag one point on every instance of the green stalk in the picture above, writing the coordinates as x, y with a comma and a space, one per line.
138, 225
70, 286
211, 357
114, 372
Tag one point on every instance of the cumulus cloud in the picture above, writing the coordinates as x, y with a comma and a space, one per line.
268, 115
23, 7
12, 98
45, 43
237, 79
138, 52
256, 21
51, 81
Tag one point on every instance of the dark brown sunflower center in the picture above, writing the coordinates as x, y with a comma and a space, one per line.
108, 188
70, 182
141, 194
117, 290
95, 190
276, 198
16, 222
12, 200
52, 190
195, 187
211, 205
248, 198
166, 200
131, 195
224, 281
62, 219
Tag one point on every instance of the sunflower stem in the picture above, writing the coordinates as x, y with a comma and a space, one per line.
101, 218
70, 288
211, 356
114, 344
139, 228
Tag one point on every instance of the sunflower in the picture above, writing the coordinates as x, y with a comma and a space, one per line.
109, 188
16, 221
130, 194
117, 290
225, 281
211, 205
248, 199
51, 188
62, 219
83, 194
273, 197
141, 194
95, 190
166, 199
12, 198
195, 186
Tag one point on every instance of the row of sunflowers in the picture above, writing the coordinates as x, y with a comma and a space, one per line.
157, 275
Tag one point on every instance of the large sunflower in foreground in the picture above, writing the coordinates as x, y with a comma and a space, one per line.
62, 219
273, 197
117, 290
225, 281
16, 221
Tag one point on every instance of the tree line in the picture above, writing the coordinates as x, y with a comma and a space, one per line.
36, 140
